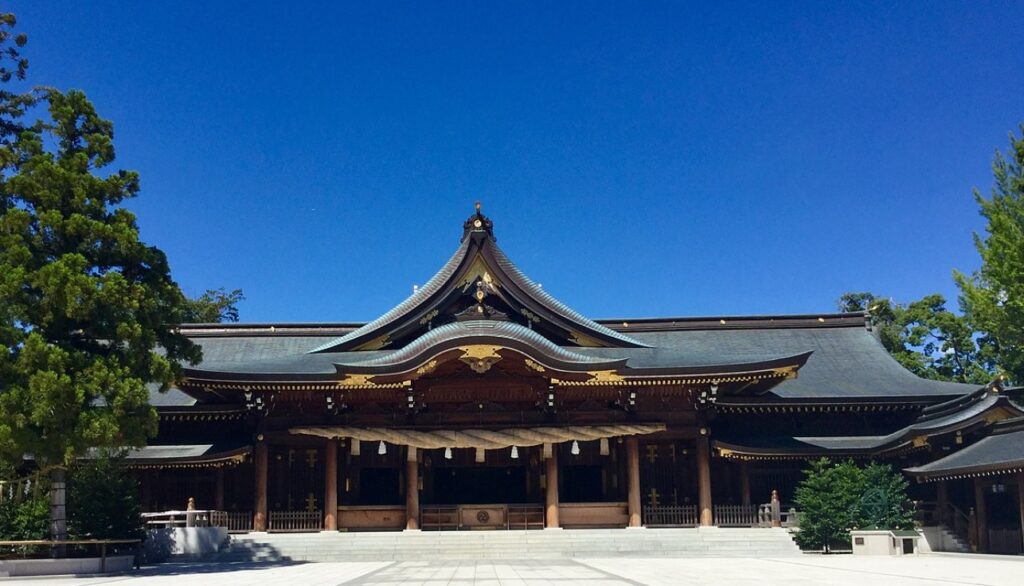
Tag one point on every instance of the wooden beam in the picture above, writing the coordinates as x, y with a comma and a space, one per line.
218, 496
331, 486
551, 490
633, 462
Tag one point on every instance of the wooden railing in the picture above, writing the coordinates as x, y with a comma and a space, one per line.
295, 521
238, 521
104, 547
736, 515
439, 518
193, 518
526, 516
670, 516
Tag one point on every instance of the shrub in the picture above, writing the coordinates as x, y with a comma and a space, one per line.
835, 497
103, 500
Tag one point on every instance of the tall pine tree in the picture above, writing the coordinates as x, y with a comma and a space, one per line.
84, 303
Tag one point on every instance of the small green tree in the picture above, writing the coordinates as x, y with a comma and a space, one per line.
836, 497
993, 297
884, 503
103, 500
828, 499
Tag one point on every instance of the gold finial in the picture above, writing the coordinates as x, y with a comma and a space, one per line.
478, 207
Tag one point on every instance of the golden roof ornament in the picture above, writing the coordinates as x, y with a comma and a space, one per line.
477, 223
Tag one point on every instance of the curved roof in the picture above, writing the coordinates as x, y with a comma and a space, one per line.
477, 244
458, 334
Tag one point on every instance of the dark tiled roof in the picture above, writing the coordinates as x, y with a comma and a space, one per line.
940, 419
1003, 450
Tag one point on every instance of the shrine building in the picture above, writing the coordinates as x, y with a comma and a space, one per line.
483, 402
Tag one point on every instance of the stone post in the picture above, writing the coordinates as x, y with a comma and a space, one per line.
776, 509
633, 463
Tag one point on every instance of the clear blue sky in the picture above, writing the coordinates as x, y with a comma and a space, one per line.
637, 159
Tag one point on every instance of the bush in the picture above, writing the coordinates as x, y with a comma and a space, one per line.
26, 520
835, 497
103, 501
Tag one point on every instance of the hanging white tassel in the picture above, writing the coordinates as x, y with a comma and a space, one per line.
515, 453
447, 453
575, 450
382, 449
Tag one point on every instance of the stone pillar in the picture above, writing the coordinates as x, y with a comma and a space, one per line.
633, 463
259, 518
981, 512
218, 495
551, 491
704, 480
331, 485
744, 483
412, 491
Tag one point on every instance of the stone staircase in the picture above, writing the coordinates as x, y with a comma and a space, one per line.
941, 538
496, 545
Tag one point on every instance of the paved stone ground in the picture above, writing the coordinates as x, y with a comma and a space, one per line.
943, 569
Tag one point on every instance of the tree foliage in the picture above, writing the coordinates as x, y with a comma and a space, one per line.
993, 297
213, 306
926, 338
84, 303
837, 497
103, 500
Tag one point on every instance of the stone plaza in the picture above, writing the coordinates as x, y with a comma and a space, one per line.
815, 570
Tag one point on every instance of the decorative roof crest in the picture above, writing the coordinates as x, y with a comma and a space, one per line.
478, 223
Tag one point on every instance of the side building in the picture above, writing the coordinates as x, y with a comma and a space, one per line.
481, 401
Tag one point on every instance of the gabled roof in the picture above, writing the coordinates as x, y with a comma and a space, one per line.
478, 274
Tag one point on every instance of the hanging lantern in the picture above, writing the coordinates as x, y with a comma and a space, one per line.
447, 453
575, 450
515, 453
382, 449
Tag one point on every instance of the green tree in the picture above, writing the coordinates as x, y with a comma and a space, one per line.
213, 306
884, 504
84, 303
993, 296
926, 338
103, 500
828, 499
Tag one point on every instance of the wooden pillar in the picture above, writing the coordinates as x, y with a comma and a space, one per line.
331, 485
941, 501
981, 512
412, 491
744, 483
1020, 502
633, 462
259, 519
704, 480
551, 491
218, 495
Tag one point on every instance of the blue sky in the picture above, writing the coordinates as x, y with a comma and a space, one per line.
638, 159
